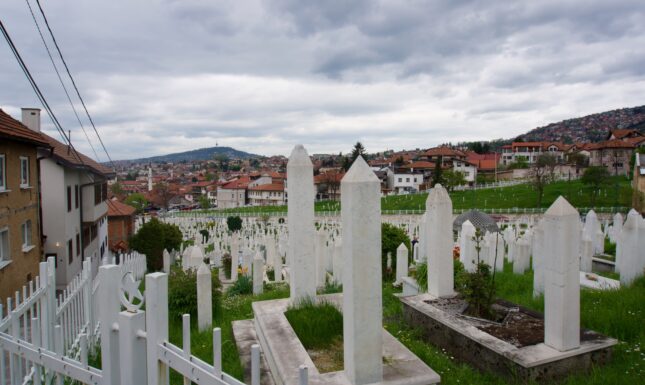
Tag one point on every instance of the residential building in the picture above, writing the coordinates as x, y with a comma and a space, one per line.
613, 154
444, 153
530, 151
328, 184
20, 231
233, 194
271, 194
120, 225
404, 181
74, 209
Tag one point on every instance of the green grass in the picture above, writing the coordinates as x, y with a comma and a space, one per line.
317, 325
617, 193
235, 307
619, 314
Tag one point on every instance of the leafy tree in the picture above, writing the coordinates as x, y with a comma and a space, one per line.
152, 238
391, 239
117, 189
520, 163
437, 175
579, 159
541, 174
204, 203
453, 178
358, 150
234, 223
163, 193
138, 201
399, 161
594, 178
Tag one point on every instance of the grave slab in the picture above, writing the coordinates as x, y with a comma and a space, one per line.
285, 353
467, 343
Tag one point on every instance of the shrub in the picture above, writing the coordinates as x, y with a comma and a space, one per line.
331, 287
152, 238
478, 290
226, 265
182, 292
234, 223
243, 285
421, 276
391, 239
317, 325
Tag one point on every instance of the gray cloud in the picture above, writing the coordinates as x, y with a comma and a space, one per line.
172, 75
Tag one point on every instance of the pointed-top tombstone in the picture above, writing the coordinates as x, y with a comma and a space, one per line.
561, 253
301, 257
362, 297
439, 242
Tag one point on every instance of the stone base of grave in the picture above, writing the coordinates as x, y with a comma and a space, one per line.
284, 352
245, 337
487, 353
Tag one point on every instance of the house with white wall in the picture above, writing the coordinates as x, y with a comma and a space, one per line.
74, 211
404, 181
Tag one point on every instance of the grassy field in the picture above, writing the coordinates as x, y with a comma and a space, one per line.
617, 193
619, 314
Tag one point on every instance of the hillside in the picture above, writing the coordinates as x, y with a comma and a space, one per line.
590, 128
200, 154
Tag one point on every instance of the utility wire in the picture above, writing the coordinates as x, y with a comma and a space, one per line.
42, 12
61, 79
36, 89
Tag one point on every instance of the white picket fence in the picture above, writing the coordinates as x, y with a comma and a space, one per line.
44, 339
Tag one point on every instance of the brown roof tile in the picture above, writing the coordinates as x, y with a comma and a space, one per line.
14, 129
75, 158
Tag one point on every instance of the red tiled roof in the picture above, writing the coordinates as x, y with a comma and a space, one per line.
622, 133
637, 140
268, 187
421, 165
75, 158
118, 209
444, 151
329, 177
238, 184
14, 129
614, 143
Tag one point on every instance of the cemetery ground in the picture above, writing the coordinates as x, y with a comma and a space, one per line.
616, 313
616, 193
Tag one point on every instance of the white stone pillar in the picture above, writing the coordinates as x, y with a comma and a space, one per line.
258, 274
586, 253
302, 268
467, 251
561, 276
166, 261
235, 256
204, 298
362, 298
538, 259
401, 263
630, 258
438, 242
338, 261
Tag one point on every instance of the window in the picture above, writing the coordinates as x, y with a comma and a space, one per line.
407, 180
70, 252
76, 197
400, 180
78, 244
3, 182
24, 171
69, 198
26, 235
5, 256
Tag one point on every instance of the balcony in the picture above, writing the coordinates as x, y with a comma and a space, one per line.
94, 206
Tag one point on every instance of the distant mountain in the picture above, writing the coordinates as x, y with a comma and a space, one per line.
590, 128
195, 155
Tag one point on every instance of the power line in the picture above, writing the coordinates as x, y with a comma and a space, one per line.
36, 89
61, 79
42, 12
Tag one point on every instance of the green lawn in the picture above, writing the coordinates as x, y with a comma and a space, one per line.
616, 194
619, 314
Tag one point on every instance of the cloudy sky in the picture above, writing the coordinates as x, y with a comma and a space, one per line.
162, 76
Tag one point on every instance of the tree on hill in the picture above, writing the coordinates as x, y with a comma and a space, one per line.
117, 189
437, 175
359, 150
453, 179
541, 174
594, 178
138, 201
152, 238
204, 203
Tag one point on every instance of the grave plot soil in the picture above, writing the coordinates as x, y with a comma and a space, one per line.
329, 359
511, 323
